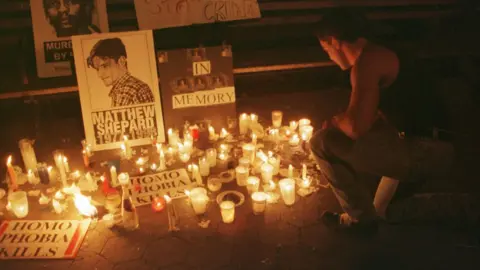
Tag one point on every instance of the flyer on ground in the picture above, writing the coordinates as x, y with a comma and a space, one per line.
54, 22
118, 86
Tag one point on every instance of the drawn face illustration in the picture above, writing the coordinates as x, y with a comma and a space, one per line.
109, 70
65, 15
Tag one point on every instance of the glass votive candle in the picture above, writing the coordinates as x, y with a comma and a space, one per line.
241, 174
304, 122
294, 140
227, 209
199, 199
293, 125
243, 123
18, 203
211, 155
253, 183
267, 172
275, 162
287, 188
184, 157
277, 118
244, 161
204, 166
214, 184
253, 118
248, 151
173, 137
259, 202
306, 132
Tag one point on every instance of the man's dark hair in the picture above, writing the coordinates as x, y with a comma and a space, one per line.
343, 24
107, 48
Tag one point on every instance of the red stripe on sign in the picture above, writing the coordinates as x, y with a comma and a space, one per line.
3, 227
73, 242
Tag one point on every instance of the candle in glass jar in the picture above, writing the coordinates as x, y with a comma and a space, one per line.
199, 199
204, 166
211, 155
51, 174
252, 184
28, 154
227, 209
259, 202
58, 157
304, 122
248, 150
172, 137
158, 204
294, 140
287, 188
114, 176
244, 161
253, 118
65, 164
243, 123
223, 133
306, 132
277, 118
214, 184
275, 162
163, 164
211, 133
293, 125
18, 203
267, 172
11, 173
241, 175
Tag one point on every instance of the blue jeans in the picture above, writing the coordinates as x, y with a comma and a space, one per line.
381, 151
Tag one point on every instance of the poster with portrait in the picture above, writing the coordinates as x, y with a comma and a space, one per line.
157, 14
197, 87
118, 86
54, 22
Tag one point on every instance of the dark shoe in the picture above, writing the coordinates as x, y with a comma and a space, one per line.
335, 222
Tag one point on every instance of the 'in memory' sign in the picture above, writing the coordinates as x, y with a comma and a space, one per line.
41, 239
146, 187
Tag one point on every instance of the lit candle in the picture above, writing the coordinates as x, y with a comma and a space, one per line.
31, 178
267, 173
223, 160
196, 175
58, 157
306, 132
227, 209
211, 155
275, 162
123, 179
212, 136
128, 147
28, 154
153, 167
252, 184
86, 161
185, 157
277, 118
287, 188
293, 125
163, 164
172, 215
290, 171
294, 140
199, 199
158, 204
65, 164
254, 138
304, 171
248, 150
158, 146
253, 118
306, 182
187, 146
243, 123
18, 203
51, 174
114, 176
241, 175
259, 201
304, 122
204, 166
274, 134
87, 148
11, 174
244, 161
172, 137
223, 133
214, 184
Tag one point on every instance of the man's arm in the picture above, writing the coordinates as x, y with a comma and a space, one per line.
363, 106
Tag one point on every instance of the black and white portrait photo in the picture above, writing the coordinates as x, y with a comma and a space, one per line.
118, 86
55, 22
109, 58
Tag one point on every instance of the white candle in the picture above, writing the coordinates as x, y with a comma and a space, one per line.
306, 132
248, 150
28, 154
259, 201
211, 155
223, 133
293, 125
204, 166
287, 188
211, 133
31, 178
199, 199
244, 161
253, 118
11, 173
18, 203
254, 138
294, 140
304, 171
275, 162
188, 146
172, 137
123, 179
227, 209
65, 163
304, 122
196, 175
243, 123
277, 118
114, 176
58, 157
252, 184
290, 171
162, 166
267, 172
241, 175
214, 184
159, 147
51, 174
128, 147
185, 157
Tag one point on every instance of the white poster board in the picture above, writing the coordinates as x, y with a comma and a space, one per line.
157, 14
118, 86
54, 22
41, 239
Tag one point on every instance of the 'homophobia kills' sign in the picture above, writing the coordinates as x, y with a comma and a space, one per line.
41, 239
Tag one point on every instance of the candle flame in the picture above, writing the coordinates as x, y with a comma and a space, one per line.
187, 192
125, 137
123, 147
140, 161
83, 205
65, 159
167, 198
9, 160
261, 155
244, 116
49, 169
57, 206
102, 178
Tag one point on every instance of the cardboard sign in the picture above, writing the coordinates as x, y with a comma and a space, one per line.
146, 187
156, 14
54, 22
41, 239
118, 86
197, 86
